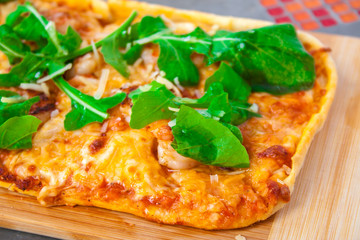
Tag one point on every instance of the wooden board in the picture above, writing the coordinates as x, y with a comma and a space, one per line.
325, 204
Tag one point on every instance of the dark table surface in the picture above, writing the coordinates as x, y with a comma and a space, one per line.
238, 8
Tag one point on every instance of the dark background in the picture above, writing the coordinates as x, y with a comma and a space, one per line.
238, 8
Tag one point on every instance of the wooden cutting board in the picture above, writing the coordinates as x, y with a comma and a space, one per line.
324, 205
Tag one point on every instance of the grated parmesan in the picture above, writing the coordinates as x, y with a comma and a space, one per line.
174, 109
177, 83
45, 89
105, 126
287, 169
54, 113
280, 181
102, 83
95, 51
169, 85
31, 86
240, 237
214, 178
12, 99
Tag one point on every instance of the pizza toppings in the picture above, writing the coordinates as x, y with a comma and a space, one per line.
249, 61
16, 126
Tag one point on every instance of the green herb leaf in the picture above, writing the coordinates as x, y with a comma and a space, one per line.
100, 43
207, 140
86, 109
175, 55
11, 45
151, 103
175, 50
71, 41
113, 56
9, 110
28, 70
271, 58
16, 133
27, 23
234, 85
176, 63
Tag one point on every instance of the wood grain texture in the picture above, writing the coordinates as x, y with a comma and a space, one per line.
325, 204
326, 200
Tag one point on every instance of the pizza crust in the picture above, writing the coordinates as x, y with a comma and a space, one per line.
121, 9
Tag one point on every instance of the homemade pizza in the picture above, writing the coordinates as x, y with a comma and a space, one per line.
176, 116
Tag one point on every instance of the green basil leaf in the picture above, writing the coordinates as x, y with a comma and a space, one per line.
271, 59
234, 85
11, 45
86, 109
16, 132
207, 140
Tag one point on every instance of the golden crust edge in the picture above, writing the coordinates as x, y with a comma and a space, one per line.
236, 24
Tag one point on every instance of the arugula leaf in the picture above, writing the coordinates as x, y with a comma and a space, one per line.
176, 63
151, 104
9, 110
27, 23
212, 92
86, 109
113, 56
175, 50
271, 58
71, 41
16, 132
152, 101
28, 70
175, 55
207, 140
233, 84
11, 45
111, 52
126, 24
242, 112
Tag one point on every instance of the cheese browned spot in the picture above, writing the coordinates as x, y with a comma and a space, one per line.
97, 144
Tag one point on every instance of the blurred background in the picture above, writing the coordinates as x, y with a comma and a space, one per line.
330, 16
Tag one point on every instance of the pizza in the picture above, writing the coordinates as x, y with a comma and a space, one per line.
180, 117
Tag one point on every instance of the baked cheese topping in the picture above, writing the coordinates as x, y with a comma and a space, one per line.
113, 166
